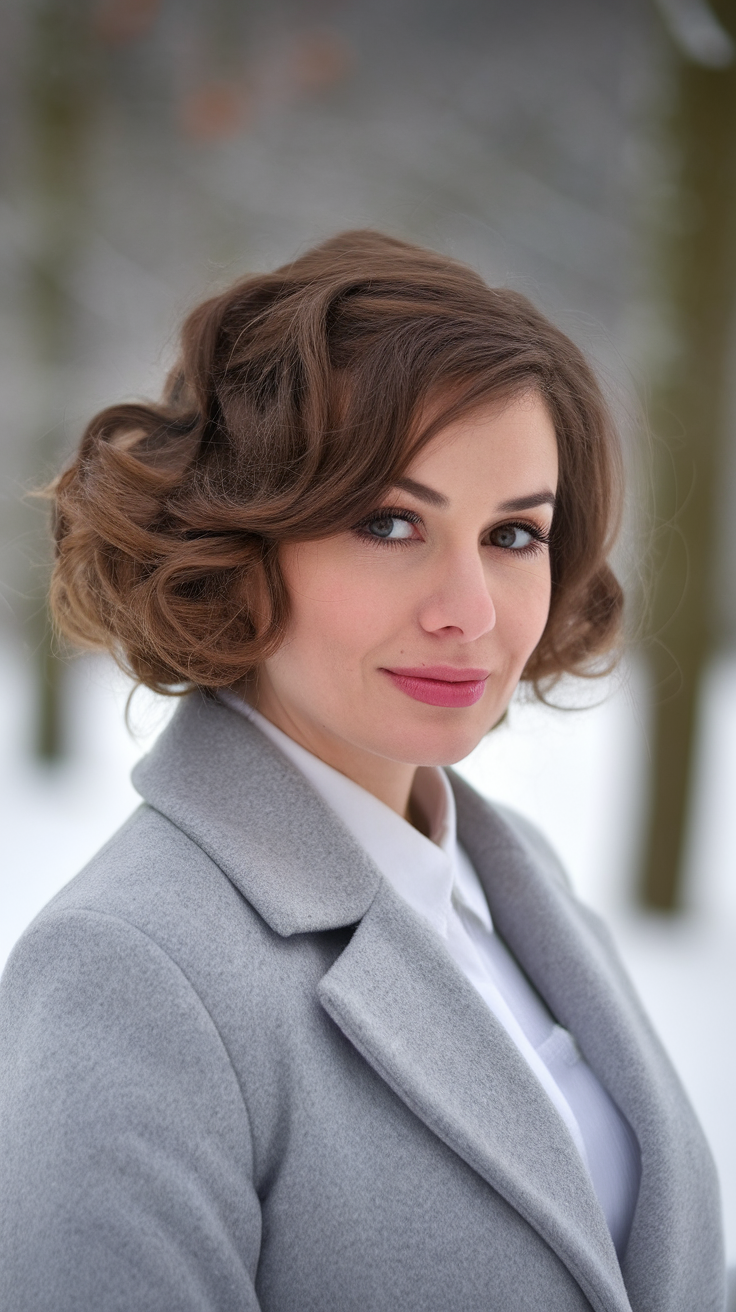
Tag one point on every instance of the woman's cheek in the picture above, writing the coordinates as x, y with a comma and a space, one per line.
366, 609
523, 612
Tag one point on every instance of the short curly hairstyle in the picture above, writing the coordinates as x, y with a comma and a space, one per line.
299, 397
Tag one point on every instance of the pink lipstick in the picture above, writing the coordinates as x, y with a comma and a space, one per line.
440, 685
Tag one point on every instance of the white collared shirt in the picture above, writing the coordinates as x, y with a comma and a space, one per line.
436, 878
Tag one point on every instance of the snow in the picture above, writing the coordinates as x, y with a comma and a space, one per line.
579, 774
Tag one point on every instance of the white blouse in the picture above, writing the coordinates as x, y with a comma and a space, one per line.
435, 876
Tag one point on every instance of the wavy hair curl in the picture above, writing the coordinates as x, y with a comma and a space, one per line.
297, 401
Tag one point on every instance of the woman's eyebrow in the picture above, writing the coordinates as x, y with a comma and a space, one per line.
422, 492
529, 502
433, 498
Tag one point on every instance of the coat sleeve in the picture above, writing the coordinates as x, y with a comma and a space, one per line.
125, 1149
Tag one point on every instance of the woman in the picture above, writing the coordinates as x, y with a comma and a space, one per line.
293, 1040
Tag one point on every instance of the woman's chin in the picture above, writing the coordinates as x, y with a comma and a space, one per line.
441, 745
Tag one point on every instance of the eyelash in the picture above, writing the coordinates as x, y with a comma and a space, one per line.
386, 512
540, 539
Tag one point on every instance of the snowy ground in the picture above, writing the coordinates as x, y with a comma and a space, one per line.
578, 774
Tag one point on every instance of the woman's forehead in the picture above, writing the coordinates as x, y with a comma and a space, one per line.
516, 435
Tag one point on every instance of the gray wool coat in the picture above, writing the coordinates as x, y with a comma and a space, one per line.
239, 1073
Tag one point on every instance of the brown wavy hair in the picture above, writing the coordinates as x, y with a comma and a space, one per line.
299, 397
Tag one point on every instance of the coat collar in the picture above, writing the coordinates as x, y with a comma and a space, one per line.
220, 781
405, 1006
394, 991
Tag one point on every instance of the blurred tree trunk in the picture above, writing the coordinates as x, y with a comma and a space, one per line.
59, 95
689, 417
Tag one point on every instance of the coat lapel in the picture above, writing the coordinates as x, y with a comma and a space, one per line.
399, 998
675, 1243
402, 1002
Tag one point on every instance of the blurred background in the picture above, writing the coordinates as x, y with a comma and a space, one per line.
580, 151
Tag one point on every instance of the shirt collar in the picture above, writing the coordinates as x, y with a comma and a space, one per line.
424, 871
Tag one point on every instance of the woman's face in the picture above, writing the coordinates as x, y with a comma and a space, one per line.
409, 633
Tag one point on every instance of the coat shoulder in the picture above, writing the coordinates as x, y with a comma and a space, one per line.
536, 842
151, 885
152, 875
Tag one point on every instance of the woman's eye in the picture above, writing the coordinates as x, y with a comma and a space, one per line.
512, 537
390, 529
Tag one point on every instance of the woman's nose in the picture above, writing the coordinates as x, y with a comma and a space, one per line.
460, 602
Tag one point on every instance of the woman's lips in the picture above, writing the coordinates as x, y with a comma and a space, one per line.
441, 685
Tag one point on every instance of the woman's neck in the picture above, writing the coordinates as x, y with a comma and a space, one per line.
390, 781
